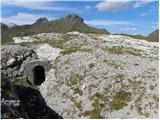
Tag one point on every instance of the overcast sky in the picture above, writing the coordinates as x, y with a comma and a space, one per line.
121, 16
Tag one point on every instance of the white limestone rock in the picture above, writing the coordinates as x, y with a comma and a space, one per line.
101, 66
45, 51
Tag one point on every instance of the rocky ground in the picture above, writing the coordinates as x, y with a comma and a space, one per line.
92, 75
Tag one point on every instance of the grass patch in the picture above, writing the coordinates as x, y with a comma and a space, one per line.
18, 82
93, 114
100, 96
139, 109
98, 105
111, 63
133, 52
75, 79
138, 106
70, 50
119, 77
135, 83
122, 95
23, 83
85, 50
74, 49
120, 100
90, 88
10, 115
78, 91
54, 43
79, 105
5, 85
115, 50
118, 105
121, 50
26, 43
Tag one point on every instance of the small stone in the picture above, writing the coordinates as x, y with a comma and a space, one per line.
83, 86
63, 100
20, 58
11, 61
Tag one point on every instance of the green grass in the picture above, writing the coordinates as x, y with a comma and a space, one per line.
118, 105
11, 115
23, 83
138, 105
119, 77
5, 85
68, 37
59, 26
74, 49
79, 105
115, 50
152, 37
75, 79
133, 52
98, 105
139, 109
70, 50
112, 63
135, 83
78, 91
100, 96
93, 114
122, 95
54, 43
120, 50
90, 87
120, 100
85, 50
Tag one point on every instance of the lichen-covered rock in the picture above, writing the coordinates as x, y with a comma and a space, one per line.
96, 75
104, 77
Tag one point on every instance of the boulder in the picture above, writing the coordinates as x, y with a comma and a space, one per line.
11, 62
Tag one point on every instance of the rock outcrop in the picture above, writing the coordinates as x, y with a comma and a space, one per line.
95, 75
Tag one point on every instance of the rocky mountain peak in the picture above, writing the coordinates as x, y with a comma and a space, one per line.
10, 25
3, 25
73, 18
42, 20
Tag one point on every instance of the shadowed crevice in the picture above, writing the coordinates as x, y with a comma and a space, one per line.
38, 75
33, 104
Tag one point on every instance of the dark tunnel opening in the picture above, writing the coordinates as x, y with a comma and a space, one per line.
38, 75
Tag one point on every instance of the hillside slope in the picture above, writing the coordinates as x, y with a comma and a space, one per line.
71, 22
152, 37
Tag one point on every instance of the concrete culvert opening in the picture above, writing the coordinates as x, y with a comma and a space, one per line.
38, 75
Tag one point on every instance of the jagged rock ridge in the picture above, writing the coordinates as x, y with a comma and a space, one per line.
69, 23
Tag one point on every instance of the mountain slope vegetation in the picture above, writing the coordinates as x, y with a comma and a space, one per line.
71, 22
152, 37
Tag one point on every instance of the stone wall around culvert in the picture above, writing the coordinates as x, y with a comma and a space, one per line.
34, 71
